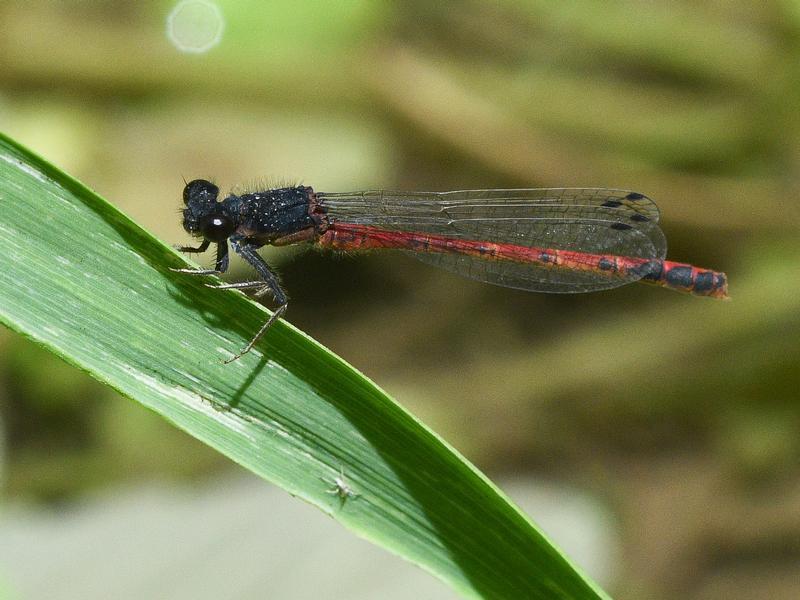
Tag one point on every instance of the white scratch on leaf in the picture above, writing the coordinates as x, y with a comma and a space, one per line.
195, 402
27, 169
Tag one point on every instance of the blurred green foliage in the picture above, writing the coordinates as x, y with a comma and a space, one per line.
670, 407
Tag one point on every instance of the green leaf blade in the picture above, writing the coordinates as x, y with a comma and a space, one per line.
86, 282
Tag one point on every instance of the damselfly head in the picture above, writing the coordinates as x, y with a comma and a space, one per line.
200, 191
203, 215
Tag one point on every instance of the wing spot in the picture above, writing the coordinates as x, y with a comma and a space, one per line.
621, 226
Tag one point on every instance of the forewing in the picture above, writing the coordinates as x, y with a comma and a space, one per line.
593, 221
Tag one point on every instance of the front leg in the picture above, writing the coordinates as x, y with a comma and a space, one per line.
268, 283
221, 264
222, 257
190, 250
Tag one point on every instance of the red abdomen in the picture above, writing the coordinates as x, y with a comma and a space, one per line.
677, 276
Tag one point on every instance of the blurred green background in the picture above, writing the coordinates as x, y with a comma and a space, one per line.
680, 415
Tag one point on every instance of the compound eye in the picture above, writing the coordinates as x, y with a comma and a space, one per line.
217, 228
200, 189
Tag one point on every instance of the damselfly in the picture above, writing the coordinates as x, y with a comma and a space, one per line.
557, 240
